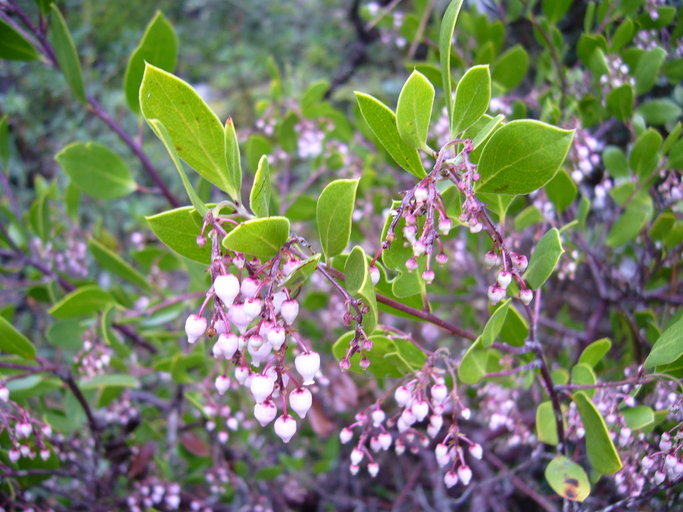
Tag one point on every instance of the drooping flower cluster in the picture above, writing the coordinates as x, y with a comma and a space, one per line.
153, 492
28, 436
253, 318
93, 358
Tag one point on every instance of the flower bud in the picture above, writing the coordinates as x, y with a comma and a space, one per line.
261, 387
252, 308
375, 445
353, 469
289, 311
409, 233
504, 278
378, 417
411, 264
491, 259
450, 479
13, 455
222, 384
223, 437
385, 440
526, 296
475, 226
44, 454
373, 469
441, 258
285, 427
265, 412
238, 316
436, 421
519, 261
660, 476
356, 456
439, 393
300, 400
465, 474
249, 287
428, 276
278, 299
420, 409
445, 226
4, 393
665, 442
195, 326
276, 337
647, 462
399, 447
421, 194
476, 451
241, 374
307, 364
374, 274
496, 294
226, 287
23, 430
466, 413
226, 346
402, 395
345, 435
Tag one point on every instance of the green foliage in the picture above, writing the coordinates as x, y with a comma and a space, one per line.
472, 98
334, 212
66, 54
544, 259
259, 237
259, 197
602, 454
13, 342
568, 479
14, 46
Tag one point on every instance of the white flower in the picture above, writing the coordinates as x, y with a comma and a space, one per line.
300, 400
476, 451
356, 456
439, 393
276, 336
13, 455
226, 287
252, 308
249, 287
289, 311
373, 469
261, 387
238, 316
420, 409
195, 326
307, 364
44, 454
222, 384
285, 428
465, 474
496, 294
378, 417
374, 274
265, 412
421, 194
278, 299
402, 395
526, 296
226, 345
241, 374
445, 226
504, 278
450, 479
345, 435
4, 394
385, 440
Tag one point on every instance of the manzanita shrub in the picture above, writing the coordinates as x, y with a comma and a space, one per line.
466, 293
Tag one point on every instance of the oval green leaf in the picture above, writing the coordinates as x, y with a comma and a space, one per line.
522, 156
159, 47
445, 46
96, 170
262, 238
473, 365
67, 56
178, 230
83, 301
359, 285
334, 212
594, 352
544, 259
414, 110
13, 46
382, 122
602, 454
13, 342
472, 97
568, 479
668, 347
546, 426
259, 197
638, 417
494, 324
112, 262
583, 375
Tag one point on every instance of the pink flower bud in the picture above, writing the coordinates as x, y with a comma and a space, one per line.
241, 374
353, 469
44, 454
421, 194
300, 400
265, 412
411, 264
261, 387
278, 299
445, 226
13, 455
647, 462
378, 417
450, 479
373, 469
222, 384
419, 248
465, 474
23, 430
385, 440
46, 430
226, 287
226, 345
289, 311
660, 476
439, 393
526, 296
285, 427
466, 413
491, 259
356, 456
441, 258
476, 451
504, 278
307, 364
399, 447
249, 287
374, 274
345, 435
519, 261
402, 395
195, 326
239, 260
223, 437
420, 409
4, 393
344, 364
375, 445
496, 294
475, 226
252, 308
665, 442
428, 276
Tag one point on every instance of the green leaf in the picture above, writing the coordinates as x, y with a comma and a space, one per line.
594, 352
637, 214
522, 156
561, 190
647, 70
66, 54
96, 170
259, 197
159, 47
662, 226
13, 342
546, 426
644, 154
112, 262
494, 324
473, 365
622, 35
83, 301
118, 380
178, 230
528, 217
196, 131
472, 97
510, 68
615, 161
262, 238
620, 102
515, 328
567, 479
544, 259
554, 10
668, 347
160, 130
382, 122
484, 133
334, 215
445, 47
359, 285
302, 272
414, 110
232, 157
602, 454
660, 111
583, 375
638, 417
14, 46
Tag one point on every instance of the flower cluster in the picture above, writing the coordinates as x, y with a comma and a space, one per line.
253, 316
154, 493
617, 74
28, 436
93, 358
